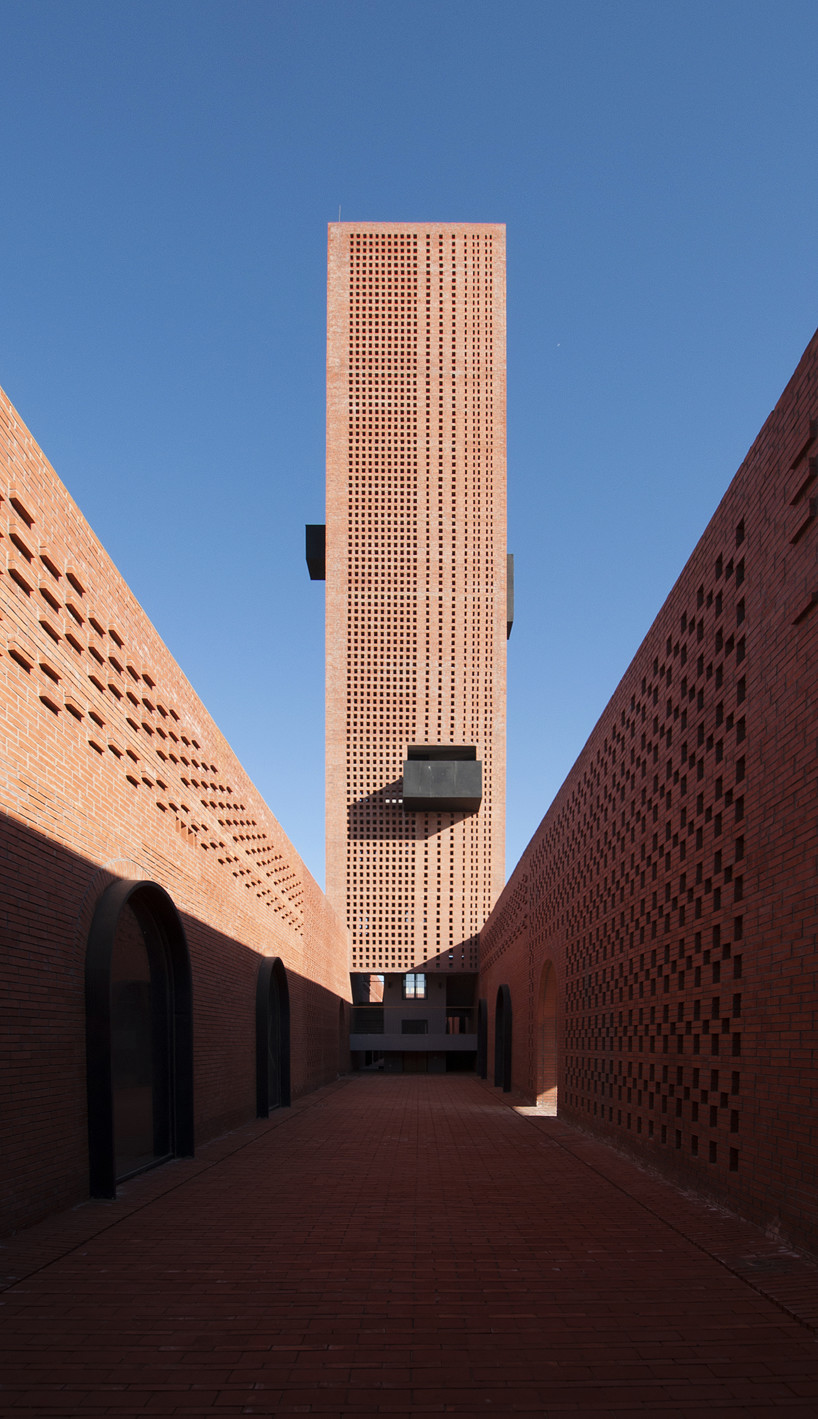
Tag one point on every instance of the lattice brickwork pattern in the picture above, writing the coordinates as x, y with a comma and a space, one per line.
415, 580
94, 679
643, 874
673, 884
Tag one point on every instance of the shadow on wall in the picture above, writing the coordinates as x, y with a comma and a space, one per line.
456, 958
461, 958
381, 814
186, 1031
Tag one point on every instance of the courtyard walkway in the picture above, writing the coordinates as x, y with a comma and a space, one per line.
405, 1246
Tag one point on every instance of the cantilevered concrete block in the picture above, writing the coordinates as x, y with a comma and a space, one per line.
441, 778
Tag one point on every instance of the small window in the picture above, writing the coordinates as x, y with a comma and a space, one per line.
414, 986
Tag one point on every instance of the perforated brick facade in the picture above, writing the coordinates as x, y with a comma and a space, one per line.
112, 768
416, 581
672, 887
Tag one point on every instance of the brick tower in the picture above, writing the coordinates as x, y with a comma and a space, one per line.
417, 617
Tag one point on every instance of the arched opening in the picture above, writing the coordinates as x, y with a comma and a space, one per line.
482, 1039
272, 1037
546, 1038
502, 1039
139, 1035
343, 1038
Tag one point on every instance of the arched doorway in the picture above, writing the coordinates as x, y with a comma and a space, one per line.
546, 1039
482, 1039
502, 1039
272, 1037
343, 1038
139, 1035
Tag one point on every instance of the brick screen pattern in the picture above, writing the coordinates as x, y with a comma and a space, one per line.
672, 886
416, 581
111, 767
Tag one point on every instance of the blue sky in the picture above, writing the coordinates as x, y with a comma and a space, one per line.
168, 173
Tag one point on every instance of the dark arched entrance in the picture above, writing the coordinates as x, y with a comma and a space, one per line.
482, 1039
343, 1038
502, 1039
272, 1037
546, 1037
139, 1035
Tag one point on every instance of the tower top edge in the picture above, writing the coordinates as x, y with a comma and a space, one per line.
498, 227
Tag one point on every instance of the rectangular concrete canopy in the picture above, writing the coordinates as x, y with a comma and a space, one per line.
442, 778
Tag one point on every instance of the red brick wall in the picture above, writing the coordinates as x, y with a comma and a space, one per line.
673, 881
111, 767
416, 580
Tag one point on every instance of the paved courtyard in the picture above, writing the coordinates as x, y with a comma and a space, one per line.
405, 1246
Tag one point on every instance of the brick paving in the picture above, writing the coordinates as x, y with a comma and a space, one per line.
405, 1246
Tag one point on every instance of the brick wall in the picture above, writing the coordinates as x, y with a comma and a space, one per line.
672, 884
416, 580
111, 767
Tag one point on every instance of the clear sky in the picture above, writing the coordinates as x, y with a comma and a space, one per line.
168, 171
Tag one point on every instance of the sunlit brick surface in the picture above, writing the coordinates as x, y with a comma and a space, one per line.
407, 1246
416, 580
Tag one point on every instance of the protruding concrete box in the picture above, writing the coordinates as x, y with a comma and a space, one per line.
316, 545
441, 778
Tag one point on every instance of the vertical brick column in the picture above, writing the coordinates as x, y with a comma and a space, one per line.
416, 580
